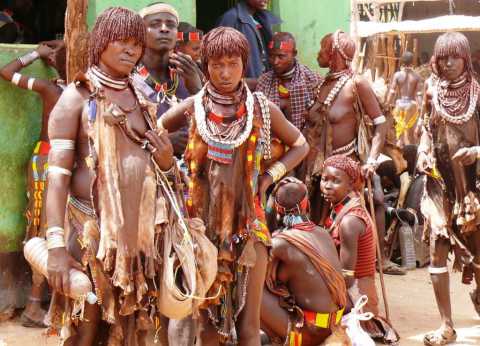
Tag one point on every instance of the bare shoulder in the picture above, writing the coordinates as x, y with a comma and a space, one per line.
351, 226
273, 107
280, 247
71, 100
362, 84
323, 235
65, 116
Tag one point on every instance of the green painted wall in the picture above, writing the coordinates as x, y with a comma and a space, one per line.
185, 8
310, 20
20, 116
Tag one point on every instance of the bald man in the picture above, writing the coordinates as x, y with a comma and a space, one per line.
290, 85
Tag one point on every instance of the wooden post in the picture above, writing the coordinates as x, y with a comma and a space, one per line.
76, 37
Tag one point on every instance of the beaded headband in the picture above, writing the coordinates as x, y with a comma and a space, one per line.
286, 46
336, 45
189, 36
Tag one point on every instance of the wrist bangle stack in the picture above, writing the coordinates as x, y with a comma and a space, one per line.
55, 237
277, 171
27, 59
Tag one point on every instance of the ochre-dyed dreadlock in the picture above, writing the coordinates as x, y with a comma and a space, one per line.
454, 44
224, 41
115, 24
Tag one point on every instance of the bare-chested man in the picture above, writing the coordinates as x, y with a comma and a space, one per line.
290, 85
305, 293
229, 138
406, 89
105, 169
336, 124
53, 53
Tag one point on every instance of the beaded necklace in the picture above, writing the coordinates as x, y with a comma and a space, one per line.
164, 92
299, 222
343, 77
222, 143
283, 91
220, 118
451, 99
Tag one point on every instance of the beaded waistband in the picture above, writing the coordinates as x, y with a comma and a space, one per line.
348, 149
82, 205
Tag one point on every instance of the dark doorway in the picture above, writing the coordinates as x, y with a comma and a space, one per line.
208, 12
32, 21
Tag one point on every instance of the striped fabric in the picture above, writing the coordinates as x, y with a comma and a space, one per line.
220, 152
366, 255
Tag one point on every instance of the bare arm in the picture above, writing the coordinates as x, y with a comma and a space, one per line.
350, 229
175, 118
279, 250
64, 124
372, 109
391, 91
287, 134
41, 86
419, 92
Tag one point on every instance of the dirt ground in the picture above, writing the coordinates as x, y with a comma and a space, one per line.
412, 306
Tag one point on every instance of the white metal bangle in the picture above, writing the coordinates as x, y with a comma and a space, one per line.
435, 270
28, 58
30, 83
59, 170
299, 141
62, 144
16, 78
379, 120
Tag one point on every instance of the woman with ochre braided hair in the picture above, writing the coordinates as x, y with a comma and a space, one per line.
229, 138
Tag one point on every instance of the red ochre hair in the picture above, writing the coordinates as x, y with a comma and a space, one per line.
114, 24
224, 41
455, 44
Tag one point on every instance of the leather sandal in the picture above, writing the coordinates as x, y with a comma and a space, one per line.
390, 268
439, 338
